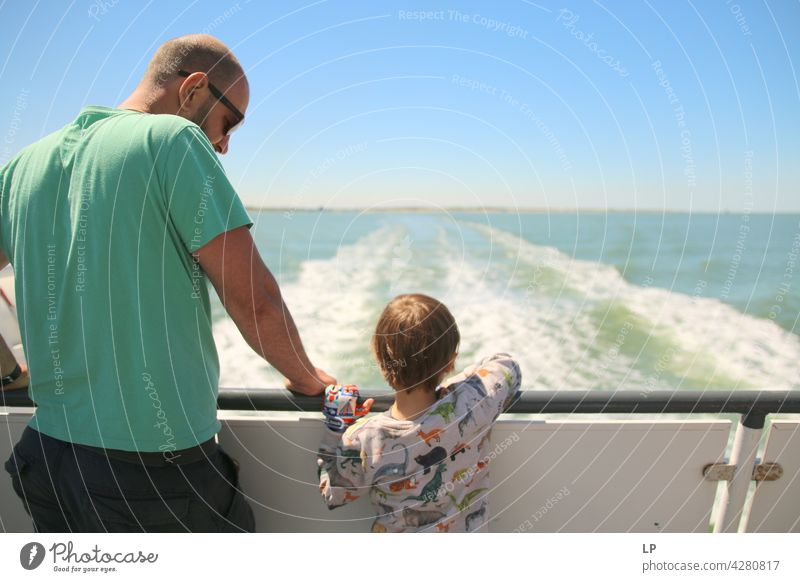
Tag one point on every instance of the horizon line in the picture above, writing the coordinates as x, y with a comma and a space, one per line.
506, 210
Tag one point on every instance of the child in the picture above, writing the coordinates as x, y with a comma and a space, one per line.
424, 461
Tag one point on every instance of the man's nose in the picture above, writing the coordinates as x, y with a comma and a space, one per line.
222, 145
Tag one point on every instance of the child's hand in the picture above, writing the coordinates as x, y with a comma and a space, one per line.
340, 406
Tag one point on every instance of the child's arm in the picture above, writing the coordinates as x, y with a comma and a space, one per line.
341, 464
494, 384
341, 469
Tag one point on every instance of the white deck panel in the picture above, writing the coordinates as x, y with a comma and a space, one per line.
278, 475
776, 504
606, 476
620, 476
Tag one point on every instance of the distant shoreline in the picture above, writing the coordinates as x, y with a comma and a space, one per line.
504, 210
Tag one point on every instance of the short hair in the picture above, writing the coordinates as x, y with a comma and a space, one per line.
415, 339
193, 53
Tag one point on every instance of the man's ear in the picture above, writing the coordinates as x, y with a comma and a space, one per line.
189, 91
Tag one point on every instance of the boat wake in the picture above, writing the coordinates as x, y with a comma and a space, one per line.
571, 323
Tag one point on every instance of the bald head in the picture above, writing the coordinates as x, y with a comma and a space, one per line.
213, 91
195, 52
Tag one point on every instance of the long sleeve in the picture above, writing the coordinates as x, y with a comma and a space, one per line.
494, 382
342, 468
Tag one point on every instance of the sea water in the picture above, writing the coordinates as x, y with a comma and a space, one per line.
617, 300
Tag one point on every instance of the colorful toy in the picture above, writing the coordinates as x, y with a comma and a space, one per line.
340, 406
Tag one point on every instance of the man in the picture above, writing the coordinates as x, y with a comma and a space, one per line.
112, 225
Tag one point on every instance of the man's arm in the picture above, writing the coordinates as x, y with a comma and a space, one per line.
253, 299
8, 362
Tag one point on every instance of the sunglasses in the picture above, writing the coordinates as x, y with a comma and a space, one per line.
224, 100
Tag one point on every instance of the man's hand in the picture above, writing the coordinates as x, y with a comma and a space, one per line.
21, 382
8, 363
313, 386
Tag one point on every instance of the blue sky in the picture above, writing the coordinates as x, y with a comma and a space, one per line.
618, 105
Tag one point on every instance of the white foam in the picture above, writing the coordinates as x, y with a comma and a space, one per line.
703, 341
549, 338
571, 323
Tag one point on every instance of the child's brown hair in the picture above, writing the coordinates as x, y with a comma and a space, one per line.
415, 341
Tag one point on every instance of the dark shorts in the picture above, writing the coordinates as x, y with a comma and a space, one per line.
67, 488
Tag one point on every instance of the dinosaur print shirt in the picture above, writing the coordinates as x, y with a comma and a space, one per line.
430, 473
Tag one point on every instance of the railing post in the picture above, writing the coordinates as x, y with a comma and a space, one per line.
743, 458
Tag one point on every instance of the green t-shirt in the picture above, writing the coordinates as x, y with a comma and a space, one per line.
99, 220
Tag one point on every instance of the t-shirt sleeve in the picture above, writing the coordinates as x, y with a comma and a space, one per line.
200, 200
493, 384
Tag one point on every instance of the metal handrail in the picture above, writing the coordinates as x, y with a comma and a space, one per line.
753, 405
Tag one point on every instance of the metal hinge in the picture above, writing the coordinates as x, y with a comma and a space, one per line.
767, 472
718, 472
724, 472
